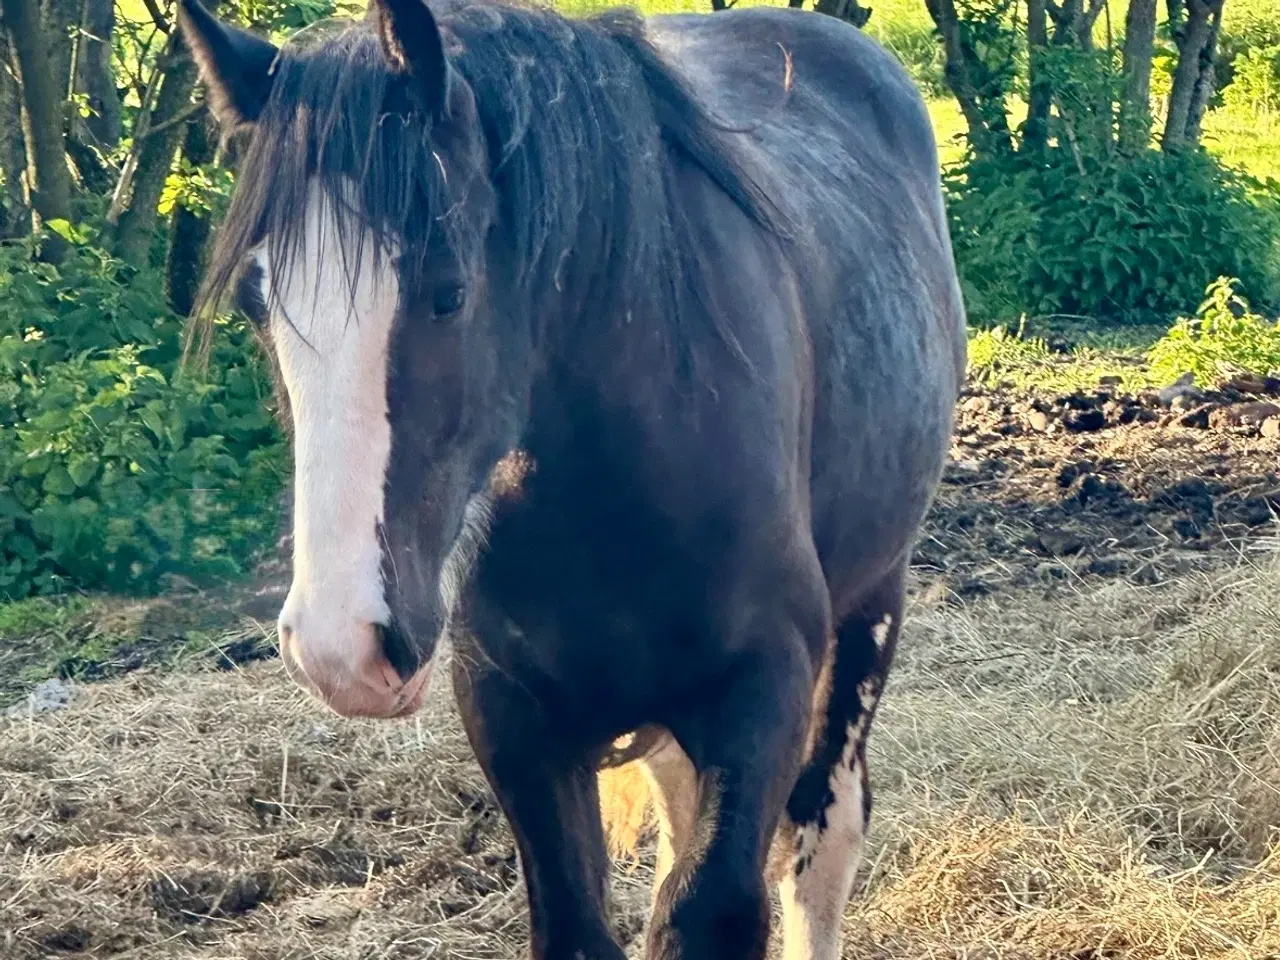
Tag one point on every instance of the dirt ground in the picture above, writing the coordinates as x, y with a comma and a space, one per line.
1078, 755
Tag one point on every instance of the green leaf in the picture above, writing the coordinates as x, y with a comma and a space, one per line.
82, 469
10, 507
58, 482
65, 230
37, 465
152, 420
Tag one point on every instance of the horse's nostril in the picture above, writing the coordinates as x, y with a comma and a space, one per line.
396, 647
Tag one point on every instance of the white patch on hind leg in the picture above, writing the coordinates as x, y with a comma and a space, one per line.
880, 632
816, 889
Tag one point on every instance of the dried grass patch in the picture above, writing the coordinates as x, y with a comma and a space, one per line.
974, 887
1094, 775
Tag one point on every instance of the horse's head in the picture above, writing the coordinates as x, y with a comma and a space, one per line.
357, 239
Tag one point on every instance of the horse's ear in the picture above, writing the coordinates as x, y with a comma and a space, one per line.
234, 64
412, 44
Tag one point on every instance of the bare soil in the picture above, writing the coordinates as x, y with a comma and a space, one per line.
1102, 485
1078, 755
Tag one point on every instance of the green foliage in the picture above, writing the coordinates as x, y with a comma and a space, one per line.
1249, 43
1225, 338
283, 17
1118, 239
118, 468
204, 190
1255, 84
996, 351
917, 48
1002, 356
38, 615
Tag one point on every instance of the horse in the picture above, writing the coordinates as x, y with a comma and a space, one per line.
619, 357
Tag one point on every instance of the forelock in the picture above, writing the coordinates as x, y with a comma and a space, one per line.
326, 125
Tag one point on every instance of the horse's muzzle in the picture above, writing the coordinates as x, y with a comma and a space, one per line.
355, 679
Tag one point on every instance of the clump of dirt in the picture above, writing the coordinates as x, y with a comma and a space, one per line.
1050, 491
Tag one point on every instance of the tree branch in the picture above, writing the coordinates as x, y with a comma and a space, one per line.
157, 17
185, 115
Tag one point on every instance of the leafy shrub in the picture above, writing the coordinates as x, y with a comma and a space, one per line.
1224, 338
1255, 84
116, 467
1126, 240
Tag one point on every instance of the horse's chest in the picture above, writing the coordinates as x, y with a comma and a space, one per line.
598, 609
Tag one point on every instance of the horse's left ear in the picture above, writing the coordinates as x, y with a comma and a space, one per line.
412, 44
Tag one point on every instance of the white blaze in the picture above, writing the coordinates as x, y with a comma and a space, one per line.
331, 338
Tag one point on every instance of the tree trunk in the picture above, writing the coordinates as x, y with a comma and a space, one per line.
15, 213
1135, 98
988, 136
188, 230
1035, 135
1192, 40
1085, 24
1207, 81
95, 78
849, 10
48, 180
61, 28
136, 225
1066, 21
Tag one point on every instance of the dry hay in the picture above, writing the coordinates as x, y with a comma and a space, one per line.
1083, 776
975, 887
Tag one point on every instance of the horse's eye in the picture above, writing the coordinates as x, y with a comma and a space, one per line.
448, 301
249, 297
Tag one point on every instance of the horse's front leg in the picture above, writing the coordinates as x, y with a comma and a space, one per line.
746, 745
552, 803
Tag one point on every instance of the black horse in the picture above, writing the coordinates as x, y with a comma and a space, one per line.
622, 354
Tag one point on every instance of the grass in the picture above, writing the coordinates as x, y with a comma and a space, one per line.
1001, 356
1092, 775
82, 637
1110, 768
1223, 340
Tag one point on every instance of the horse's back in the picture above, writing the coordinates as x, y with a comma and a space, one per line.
820, 98
844, 142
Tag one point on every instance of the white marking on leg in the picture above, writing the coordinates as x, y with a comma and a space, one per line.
816, 890
868, 697
880, 632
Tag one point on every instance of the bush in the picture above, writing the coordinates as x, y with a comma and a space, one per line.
1224, 339
1255, 83
1132, 240
117, 468
1250, 27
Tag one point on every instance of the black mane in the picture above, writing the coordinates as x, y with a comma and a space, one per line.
585, 124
